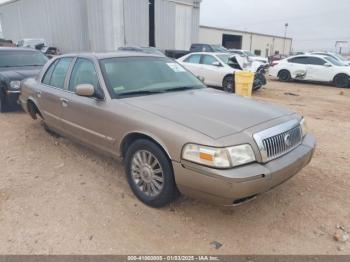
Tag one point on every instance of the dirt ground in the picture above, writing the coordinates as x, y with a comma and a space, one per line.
57, 197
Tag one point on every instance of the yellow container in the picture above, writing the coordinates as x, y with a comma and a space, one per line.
244, 83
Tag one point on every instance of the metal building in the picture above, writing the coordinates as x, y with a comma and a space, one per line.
96, 25
260, 44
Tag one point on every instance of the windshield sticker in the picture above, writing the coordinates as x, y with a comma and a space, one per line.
176, 67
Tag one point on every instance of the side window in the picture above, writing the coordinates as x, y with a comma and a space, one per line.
209, 60
298, 60
83, 73
193, 59
315, 61
59, 73
47, 77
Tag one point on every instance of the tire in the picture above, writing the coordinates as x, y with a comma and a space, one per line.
150, 174
341, 81
3, 104
228, 84
284, 76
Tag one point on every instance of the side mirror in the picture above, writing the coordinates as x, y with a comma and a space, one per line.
216, 63
85, 90
327, 65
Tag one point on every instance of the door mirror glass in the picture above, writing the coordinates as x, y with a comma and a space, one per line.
87, 90
216, 63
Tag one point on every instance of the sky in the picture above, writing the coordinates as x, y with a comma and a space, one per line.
313, 24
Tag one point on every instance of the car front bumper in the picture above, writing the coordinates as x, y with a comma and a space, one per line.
235, 186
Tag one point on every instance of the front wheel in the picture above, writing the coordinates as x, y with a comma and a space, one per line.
228, 84
150, 174
341, 81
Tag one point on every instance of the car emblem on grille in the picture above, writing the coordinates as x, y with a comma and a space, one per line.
287, 140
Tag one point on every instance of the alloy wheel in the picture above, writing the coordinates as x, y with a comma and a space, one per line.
147, 173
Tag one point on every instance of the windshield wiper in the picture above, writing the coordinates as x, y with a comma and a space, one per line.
182, 88
141, 92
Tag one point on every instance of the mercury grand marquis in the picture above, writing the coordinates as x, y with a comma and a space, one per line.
173, 134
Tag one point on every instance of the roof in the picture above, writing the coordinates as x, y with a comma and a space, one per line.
113, 55
17, 49
243, 32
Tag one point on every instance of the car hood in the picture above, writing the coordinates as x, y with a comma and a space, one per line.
211, 112
20, 73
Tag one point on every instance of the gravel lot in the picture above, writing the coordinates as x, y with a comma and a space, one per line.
57, 197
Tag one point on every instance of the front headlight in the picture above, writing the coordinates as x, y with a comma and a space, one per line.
303, 125
15, 84
218, 157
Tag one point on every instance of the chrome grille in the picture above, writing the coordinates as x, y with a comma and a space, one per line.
278, 140
281, 144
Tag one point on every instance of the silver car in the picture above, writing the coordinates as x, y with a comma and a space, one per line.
174, 134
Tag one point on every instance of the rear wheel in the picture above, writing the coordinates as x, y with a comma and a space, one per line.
150, 174
228, 84
342, 81
284, 76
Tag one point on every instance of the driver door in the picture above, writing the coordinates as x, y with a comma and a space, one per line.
213, 74
87, 119
317, 70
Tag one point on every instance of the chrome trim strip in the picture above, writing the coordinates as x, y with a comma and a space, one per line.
271, 132
110, 139
13, 92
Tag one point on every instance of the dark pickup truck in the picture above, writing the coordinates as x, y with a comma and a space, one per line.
194, 49
17, 64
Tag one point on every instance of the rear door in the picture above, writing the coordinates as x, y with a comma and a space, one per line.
87, 118
192, 63
51, 90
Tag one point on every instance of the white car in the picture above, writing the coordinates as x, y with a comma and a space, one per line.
334, 55
217, 69
31, 42
251, 57
316, 68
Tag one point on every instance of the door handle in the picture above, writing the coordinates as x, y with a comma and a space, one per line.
38, 94
64, 102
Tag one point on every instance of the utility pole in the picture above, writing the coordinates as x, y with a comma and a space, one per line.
285, 37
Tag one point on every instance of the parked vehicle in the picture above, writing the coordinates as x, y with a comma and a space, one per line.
31, 42
315, 68
6, 43
50, 51
335, 56
172, 132
251, 57
217, 69
195, 48
16, 64
272, 59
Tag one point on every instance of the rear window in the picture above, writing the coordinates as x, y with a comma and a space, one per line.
22, 58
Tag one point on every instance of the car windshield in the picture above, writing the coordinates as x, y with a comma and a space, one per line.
219, 48
127, 76
248, 53
22, 58
334, 61
339, 57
